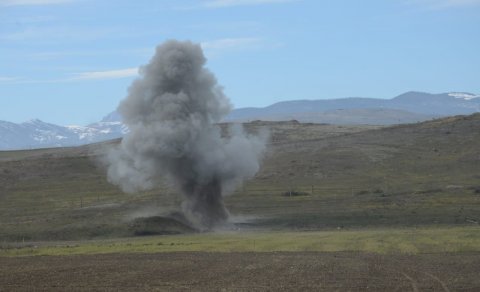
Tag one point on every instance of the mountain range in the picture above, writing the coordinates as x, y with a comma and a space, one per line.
38, 134
405, 108
409, 107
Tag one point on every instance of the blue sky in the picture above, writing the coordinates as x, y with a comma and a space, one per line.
71, 61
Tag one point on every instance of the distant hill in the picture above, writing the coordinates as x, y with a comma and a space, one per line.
355, 116
405, 108
409, 107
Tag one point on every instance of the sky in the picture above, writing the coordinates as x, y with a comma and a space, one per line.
71, 61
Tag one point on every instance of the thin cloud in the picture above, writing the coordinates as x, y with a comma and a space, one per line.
32, 2
53, 55
7, 79
231, 43
440, 4
26, 20
111, 74
230, 3
83, 76
57, 34
450, 3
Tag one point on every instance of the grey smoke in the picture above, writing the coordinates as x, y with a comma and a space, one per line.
172, 111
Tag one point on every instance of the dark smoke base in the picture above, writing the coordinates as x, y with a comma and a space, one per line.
206, 199
175, 222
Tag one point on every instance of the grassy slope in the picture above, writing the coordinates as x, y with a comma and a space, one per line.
412, 175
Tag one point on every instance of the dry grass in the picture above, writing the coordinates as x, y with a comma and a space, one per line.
402, 176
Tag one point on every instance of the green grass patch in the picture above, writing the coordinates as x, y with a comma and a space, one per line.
412, 241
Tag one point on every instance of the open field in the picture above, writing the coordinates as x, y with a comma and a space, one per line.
282, 271
382, 241
425, 174
438, 259
333, 208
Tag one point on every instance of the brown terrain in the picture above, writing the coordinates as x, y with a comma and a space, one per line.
350, 178
202, 271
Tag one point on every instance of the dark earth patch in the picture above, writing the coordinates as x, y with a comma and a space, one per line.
202, 271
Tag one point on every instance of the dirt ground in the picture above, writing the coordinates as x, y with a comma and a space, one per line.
202, 271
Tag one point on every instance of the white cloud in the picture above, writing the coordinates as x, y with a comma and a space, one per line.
231, 43
37, 19
32, 2
83, 76
6, 79
439, 4
458, 2
218, 47
52, 55
229, 3
57, 34
111, 74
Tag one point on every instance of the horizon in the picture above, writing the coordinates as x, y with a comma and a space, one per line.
70, 62
247, 107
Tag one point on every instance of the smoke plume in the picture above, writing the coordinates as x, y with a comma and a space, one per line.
171, 112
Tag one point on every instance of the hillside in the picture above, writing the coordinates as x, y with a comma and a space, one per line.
313, 177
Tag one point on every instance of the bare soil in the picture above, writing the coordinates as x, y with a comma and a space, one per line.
242, 272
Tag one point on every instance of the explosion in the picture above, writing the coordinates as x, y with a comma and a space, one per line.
172, 112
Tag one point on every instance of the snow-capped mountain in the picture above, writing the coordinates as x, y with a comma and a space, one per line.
463, 95
39, 134
405, 108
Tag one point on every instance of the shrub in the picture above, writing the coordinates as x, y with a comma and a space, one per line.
295, 194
